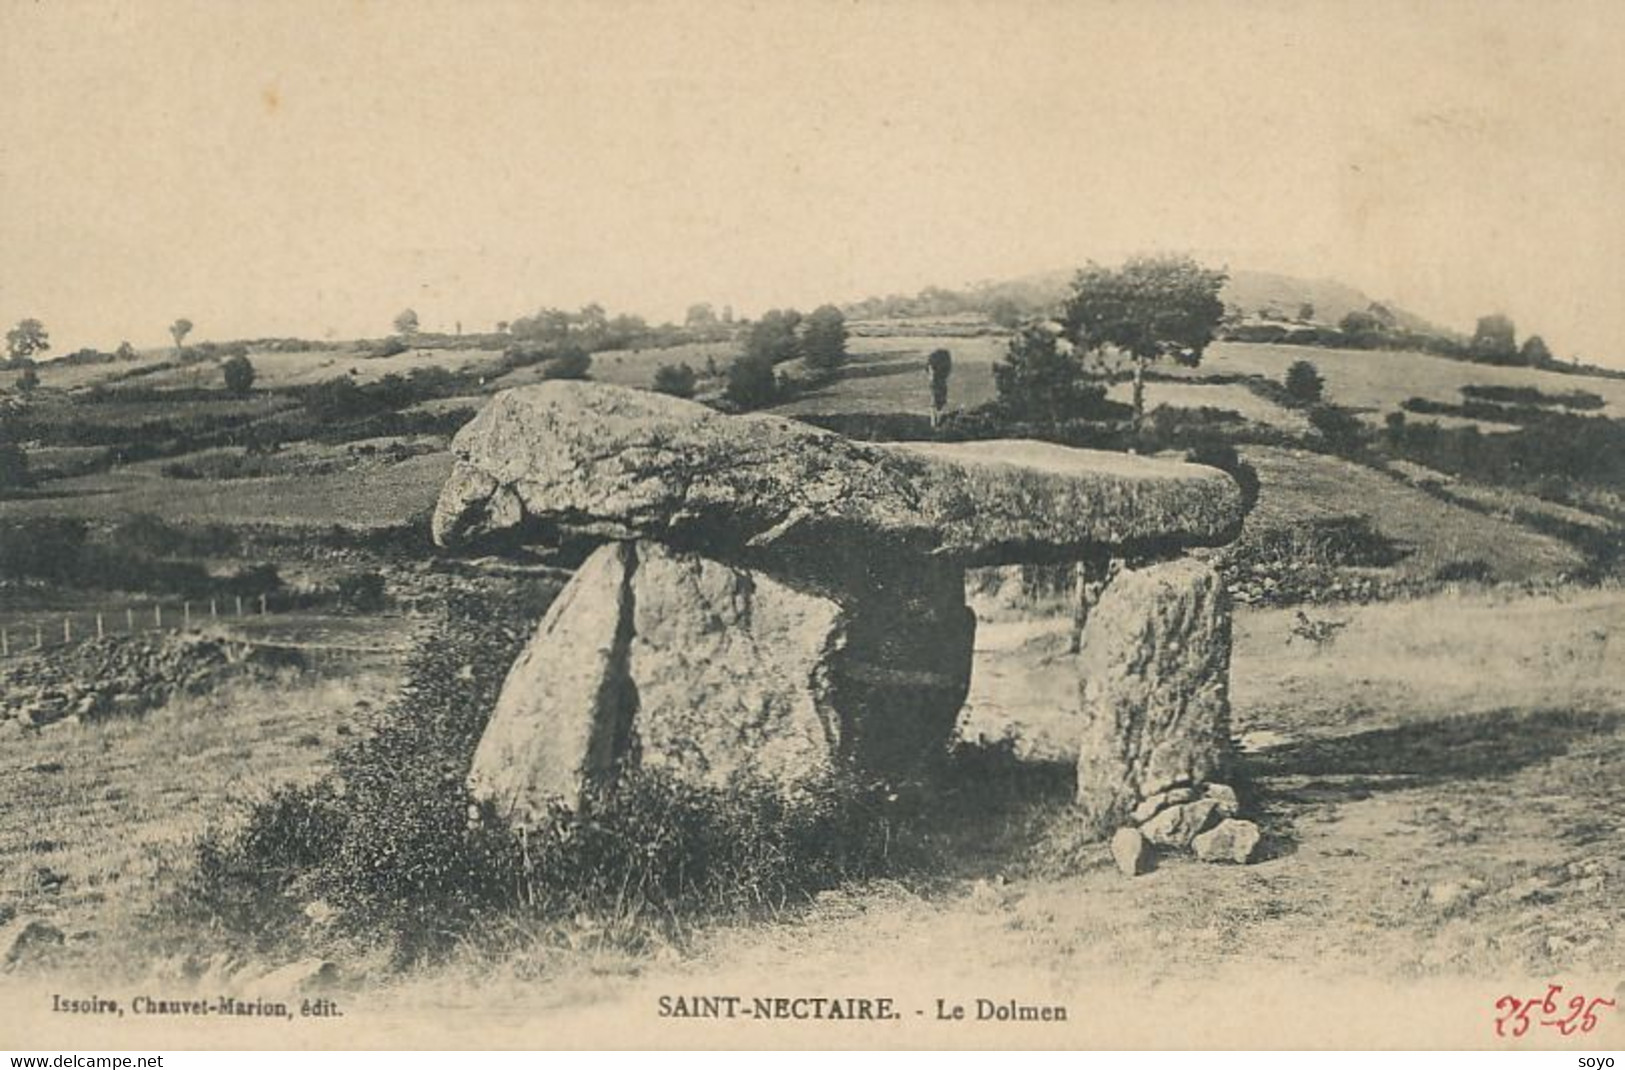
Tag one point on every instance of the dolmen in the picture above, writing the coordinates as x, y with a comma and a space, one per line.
767, 601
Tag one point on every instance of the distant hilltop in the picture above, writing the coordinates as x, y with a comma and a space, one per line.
1253, 295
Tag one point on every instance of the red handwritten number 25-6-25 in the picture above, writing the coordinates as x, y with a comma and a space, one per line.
1577, 1014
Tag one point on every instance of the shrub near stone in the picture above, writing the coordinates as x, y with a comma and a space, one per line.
394, 847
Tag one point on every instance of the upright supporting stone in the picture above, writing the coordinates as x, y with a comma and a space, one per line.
1155, 670
716, 675
554, 731
730, 669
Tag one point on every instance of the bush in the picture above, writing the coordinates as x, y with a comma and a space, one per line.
392, 842
751, 383
360, 591
1303, 383
1302, 562
239, 374
1038, 381
1472, 570
252, 581
338, 399
1550, 449
46, 548
145, 533
678, 380
1340, 428
823, 339
568, 363
1530, 395
772, 339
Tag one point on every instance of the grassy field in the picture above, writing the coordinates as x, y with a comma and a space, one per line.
887, 374
1380, 380
101, 817
361, 495
1299, 485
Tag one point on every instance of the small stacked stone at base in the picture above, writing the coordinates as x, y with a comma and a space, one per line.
1203, 819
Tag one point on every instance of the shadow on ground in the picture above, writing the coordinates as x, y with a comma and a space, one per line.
990, 808
1497, 743
987, 807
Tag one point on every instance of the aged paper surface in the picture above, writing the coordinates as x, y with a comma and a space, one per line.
1424, 688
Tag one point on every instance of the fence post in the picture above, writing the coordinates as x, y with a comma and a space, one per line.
129, 619
100, 631
157, 615
186, 615
39, 638
262, 605
239, 605
5, 643
212, 613
67, 629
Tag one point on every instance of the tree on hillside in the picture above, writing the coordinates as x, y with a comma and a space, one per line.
823, 339
548, 325
1358, 322
1039, 380
773, 337
1365, 328
751, 383
27, 339
1495, 341
125, 351
1151, 307
678, 380
1303, 382
1534, 352
939, 366
406, 323
179, 330
700, 315
1306, 312
239, 373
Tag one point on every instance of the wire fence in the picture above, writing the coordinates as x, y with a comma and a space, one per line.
27, 631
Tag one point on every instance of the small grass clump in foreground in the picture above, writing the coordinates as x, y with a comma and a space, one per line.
390, 850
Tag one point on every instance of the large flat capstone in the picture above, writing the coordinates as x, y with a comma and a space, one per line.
603, 462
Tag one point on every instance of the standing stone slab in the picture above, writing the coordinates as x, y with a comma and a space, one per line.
564, 710
733, 673
1154, 684
716, 674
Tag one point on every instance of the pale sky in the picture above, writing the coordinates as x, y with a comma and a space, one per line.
300, 167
